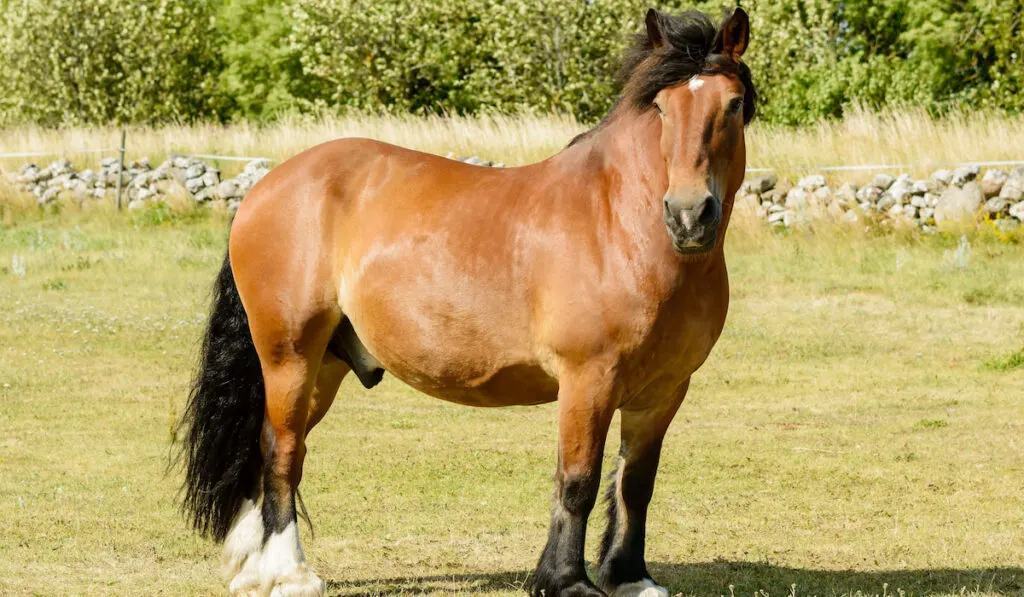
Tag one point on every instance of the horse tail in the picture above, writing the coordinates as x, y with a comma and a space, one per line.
224, 417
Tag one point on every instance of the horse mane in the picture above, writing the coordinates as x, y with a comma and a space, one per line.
688, 50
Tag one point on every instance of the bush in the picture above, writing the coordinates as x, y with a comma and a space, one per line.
103, 61
97, 61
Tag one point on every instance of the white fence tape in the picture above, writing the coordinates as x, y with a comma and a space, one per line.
37, 154
890, 166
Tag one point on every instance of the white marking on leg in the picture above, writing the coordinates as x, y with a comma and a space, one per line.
643, 588
240, 562
283, 570
695, 84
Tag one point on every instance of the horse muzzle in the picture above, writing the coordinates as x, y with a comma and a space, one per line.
693, 227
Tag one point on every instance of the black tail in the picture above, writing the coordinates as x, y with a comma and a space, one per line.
224, 417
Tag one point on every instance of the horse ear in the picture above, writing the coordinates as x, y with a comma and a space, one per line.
654, 31
734, 34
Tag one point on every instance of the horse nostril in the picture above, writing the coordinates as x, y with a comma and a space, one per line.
708, 212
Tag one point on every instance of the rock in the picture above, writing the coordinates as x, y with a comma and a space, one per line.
958, 204
49, 195
775, 208
993, 182
895, 211
996, 205
811, 182
910, 211
943, 177
869, 194
847, 193
882, 181
205, 194
136, 204
965, 174
778, 194
835, 209
796, 199
764, 183
109, 163
920, 187
193, 185
885, 202
179, 162
823, 195
901, 188
194, 171
257, 165
1013, 189
919, 201
776, 217
211, 178
1017, 211
926, 213
233, 205
228, 189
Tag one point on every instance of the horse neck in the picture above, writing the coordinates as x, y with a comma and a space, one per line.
624, 155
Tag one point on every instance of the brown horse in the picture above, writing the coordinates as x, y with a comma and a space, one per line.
595, 278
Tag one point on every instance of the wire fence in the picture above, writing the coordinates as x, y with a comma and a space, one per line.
120, 151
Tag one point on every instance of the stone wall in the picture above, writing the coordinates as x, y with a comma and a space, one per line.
961, 194
141, 183
945, 196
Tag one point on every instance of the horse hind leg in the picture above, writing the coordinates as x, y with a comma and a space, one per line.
282, 567
244, 543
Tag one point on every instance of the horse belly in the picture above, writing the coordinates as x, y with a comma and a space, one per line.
459, 340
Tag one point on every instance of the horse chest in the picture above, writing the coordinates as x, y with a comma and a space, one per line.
675, 341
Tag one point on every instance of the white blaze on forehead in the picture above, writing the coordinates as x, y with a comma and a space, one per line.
695, 84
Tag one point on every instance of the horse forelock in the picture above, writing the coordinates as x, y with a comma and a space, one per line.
687, 51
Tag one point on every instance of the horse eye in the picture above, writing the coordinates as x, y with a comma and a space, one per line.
736, 105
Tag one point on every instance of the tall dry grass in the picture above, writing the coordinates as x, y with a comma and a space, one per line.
862, 138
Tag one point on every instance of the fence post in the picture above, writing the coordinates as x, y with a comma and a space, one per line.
120, 171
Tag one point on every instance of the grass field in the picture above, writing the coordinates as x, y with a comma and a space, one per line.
859, 430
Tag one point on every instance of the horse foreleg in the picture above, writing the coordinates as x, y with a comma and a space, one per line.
585, 409
623, 571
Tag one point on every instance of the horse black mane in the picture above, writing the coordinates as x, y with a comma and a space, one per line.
688, 50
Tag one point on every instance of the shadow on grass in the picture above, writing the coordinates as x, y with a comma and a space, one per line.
712, 579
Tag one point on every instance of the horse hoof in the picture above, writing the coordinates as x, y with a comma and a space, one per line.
299, 583
245, 584
642, 588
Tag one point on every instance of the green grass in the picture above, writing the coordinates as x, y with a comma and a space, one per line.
846, 437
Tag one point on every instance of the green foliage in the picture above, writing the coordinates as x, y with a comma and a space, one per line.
1014, 360
102, 61
262, 75
464, 55
97, 61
